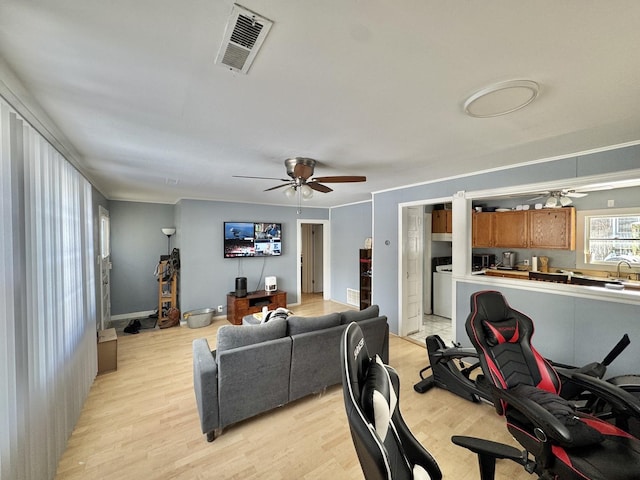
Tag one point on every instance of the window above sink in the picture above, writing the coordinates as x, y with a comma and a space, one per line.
608, 237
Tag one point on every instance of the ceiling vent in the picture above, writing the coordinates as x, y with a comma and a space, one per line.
244, 34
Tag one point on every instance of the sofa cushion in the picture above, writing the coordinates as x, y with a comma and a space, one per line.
234, 336
357, 315
299, 324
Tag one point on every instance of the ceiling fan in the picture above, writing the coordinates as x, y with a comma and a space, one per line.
300, 169
559, 198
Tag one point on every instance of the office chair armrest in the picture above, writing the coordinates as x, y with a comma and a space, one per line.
537, 415
621, 401
413, 449
456, 352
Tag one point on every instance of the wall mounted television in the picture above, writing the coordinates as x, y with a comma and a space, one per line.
252, 239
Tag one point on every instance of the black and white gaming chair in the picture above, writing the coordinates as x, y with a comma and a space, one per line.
386, 448
566, 444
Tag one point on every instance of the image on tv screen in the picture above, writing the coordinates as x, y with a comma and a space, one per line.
267, 239
249, 239
238, 239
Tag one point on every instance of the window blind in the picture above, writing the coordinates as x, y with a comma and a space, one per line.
47, 300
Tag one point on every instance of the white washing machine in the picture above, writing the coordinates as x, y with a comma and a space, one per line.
442, 291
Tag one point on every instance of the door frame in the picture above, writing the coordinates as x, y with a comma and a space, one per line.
401, 259
326, 257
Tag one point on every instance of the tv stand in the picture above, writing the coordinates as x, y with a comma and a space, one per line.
238, 307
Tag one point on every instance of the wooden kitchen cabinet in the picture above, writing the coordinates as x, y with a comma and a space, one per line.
545, 229
482, 229
510, 229
552, 228
441, 221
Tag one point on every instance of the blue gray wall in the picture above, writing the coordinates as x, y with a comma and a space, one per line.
137, 242
206, 277
350, 226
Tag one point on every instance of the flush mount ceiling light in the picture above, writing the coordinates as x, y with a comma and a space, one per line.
501, 98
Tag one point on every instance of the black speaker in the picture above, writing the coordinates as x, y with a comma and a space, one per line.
241, 286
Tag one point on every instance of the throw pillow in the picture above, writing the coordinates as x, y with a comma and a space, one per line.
234, 336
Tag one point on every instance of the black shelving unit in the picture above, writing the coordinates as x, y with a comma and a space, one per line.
365, 278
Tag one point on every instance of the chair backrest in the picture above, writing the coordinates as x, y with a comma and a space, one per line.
370, 391
502, 337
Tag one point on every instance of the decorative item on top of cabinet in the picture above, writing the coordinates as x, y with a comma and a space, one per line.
552, 228
365, 278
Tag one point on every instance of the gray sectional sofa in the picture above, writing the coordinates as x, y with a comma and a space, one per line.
256, 368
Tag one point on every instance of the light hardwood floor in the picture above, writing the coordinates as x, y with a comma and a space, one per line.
141, 421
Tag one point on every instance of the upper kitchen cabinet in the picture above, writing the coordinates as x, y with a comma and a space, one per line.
482, 229
441, 225
510, 229
441, 221
548, 228
552, 228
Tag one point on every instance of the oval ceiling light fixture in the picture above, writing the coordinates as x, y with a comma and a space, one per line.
501, 98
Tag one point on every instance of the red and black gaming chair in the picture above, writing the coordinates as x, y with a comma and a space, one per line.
565, 444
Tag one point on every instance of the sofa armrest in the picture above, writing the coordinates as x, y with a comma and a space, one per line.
205, 384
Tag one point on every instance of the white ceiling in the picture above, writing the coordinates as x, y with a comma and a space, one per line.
371, 88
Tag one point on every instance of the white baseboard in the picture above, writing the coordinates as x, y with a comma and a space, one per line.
132, 315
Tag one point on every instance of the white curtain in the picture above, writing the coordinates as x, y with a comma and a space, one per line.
47, 300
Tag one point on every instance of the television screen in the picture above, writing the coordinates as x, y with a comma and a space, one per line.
249, 239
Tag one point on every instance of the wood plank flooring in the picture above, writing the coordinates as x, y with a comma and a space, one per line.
141, 422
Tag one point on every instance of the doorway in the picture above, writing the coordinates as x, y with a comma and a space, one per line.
313, 258
416, 275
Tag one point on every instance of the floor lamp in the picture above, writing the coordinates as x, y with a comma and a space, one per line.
168, 232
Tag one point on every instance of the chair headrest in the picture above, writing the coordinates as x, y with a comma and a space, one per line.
500, 323
378, 397
356, 358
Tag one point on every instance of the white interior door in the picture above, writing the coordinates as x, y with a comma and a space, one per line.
104, 264
412, 266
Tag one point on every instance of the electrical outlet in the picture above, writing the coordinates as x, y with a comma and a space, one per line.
219, 308
526, 261
611, 203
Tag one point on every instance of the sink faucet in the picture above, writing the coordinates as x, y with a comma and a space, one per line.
620, 263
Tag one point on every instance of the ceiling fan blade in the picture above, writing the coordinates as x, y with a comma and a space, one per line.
573, 194
262, 178
278, 186
302, 171
536, 198
319, 187
341, 179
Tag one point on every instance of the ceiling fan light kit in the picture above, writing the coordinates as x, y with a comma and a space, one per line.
300, 170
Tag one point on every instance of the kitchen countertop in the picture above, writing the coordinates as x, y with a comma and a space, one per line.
630, 286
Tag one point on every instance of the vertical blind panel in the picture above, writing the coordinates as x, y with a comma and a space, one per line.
47, 300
